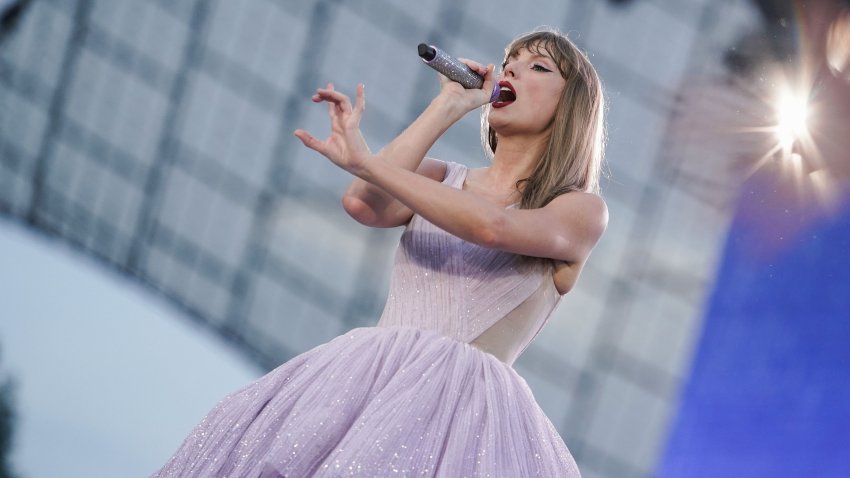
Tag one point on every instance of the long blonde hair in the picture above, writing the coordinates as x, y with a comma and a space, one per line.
572, 160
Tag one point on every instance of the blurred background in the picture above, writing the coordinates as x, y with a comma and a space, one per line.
164, 239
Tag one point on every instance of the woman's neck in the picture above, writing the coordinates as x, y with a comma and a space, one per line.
515, 159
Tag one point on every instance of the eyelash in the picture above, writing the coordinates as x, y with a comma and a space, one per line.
535, 67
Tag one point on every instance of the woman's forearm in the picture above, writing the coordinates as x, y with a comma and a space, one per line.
391, 171
458, 212
408, 149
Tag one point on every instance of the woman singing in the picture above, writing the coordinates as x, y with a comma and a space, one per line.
485, 257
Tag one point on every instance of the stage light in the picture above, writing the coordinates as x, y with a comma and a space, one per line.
792, 114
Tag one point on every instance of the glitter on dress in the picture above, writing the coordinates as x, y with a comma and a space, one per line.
428, 391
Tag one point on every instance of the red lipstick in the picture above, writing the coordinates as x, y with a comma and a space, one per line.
507, 94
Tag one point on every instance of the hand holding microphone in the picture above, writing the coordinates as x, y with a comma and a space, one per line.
454, 69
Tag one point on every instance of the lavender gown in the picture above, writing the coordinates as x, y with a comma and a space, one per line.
429, 391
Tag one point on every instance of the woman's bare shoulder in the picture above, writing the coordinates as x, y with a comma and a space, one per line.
591, 204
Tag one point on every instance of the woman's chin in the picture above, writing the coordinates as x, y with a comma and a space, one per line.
498, 123
506, 128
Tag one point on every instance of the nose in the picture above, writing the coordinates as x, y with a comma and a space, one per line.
509, 70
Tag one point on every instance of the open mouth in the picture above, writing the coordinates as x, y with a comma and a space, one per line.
507, 95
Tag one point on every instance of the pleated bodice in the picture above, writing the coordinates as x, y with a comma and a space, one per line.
491, 299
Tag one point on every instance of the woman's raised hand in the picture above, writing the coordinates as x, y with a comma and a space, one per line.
468, 99
345, 146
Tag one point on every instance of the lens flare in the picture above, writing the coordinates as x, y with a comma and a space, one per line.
784, 129
788, 120
838, 46
792, 112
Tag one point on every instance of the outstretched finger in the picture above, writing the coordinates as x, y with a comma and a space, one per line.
342, 102
360, 102
310, 141
330, 105
316, 98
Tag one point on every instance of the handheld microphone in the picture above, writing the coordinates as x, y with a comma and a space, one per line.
454, 69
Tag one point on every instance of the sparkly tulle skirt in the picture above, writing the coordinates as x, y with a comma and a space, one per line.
379, 401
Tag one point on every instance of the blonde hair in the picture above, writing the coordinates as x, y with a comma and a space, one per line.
572, 160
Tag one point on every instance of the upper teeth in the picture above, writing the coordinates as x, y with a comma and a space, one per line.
508, 88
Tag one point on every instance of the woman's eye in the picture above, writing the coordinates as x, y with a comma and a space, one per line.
537, 67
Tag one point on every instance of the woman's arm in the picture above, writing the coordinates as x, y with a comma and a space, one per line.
371, 205
365, 202
565, 229
368, 203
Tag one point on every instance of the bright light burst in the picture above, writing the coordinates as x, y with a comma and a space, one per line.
786, 113
785, 128
792, 144
789, 117
791, 114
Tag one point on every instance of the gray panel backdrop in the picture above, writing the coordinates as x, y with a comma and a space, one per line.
156, 136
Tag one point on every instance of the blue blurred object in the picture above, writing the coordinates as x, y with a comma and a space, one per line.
770, 390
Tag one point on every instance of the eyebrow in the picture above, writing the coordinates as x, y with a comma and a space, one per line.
533, 56
545, 57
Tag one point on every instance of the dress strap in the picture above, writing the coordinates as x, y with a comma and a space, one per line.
455, 173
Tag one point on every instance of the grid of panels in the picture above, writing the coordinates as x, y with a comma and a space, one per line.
156, 136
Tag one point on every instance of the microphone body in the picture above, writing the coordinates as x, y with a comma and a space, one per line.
453, 69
